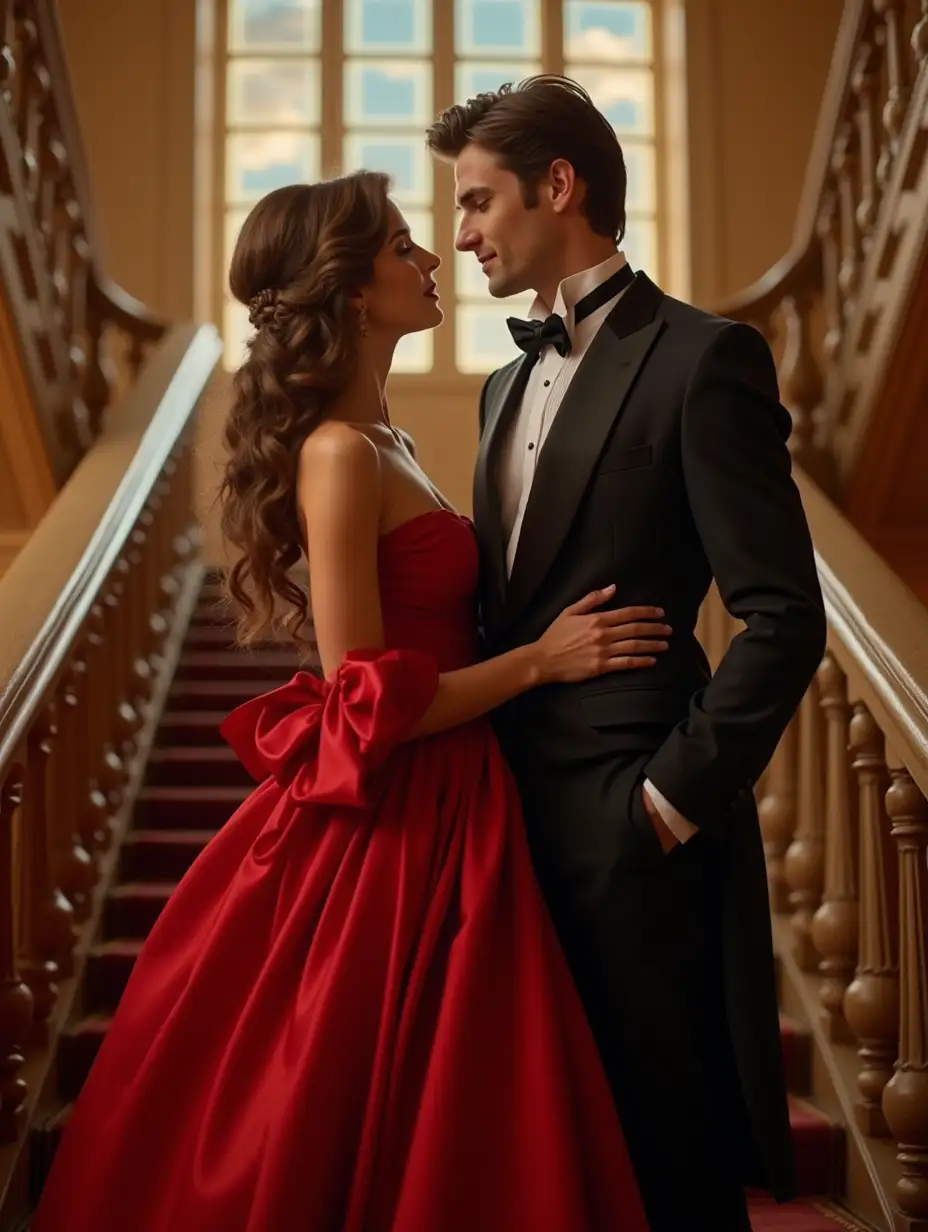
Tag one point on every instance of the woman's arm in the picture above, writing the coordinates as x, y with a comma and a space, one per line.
339, 495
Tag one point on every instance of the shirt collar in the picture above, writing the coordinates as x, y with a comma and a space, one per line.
573, 288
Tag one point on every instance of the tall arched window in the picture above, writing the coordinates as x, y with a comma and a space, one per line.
314, 87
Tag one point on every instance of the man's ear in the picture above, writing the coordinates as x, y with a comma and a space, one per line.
562, 184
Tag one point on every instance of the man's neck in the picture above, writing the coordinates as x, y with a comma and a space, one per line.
573, 260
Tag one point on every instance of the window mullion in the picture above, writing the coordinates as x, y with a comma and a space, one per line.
552, 36
443, 184
332, 79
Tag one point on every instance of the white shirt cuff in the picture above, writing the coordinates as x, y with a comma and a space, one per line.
675, 822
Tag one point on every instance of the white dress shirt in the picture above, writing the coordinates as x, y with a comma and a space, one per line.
544, 392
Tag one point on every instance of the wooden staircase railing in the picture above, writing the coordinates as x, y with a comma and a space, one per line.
92, 610
832, 306
93, 606
82, 339
844, 813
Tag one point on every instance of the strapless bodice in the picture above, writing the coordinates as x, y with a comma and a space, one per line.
428, 587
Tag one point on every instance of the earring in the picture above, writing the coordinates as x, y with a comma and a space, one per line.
362, 321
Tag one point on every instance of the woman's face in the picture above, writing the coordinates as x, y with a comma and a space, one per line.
402, 298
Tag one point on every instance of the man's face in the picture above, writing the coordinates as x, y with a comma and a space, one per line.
508, 238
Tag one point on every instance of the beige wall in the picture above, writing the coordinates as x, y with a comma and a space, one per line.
755, 74
756, 71
132, 70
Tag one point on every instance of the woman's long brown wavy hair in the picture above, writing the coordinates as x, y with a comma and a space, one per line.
303, 251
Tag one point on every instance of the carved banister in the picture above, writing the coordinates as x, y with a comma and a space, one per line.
70, 317
844, 813
79, 604
851, 234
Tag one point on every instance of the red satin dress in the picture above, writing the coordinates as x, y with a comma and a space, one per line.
353, 1014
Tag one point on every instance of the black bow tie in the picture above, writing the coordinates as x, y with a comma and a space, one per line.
532, 336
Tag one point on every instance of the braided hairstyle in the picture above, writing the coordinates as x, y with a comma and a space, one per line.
303, 251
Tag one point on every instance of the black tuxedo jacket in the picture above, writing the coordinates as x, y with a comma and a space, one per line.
666, 466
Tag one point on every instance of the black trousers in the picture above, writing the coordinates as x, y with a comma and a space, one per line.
644, 948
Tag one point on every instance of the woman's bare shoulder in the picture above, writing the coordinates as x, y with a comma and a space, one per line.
338, 446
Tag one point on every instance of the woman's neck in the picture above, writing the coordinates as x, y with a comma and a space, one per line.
364, 400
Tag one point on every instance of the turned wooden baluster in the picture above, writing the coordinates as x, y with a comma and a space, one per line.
897, 75
871, 1003
128, 718
805, 857
844, 164
114, 770
78, 872
801, 384
777, 813
15, 997
834, 925
46, 936
920, 37
864, 83
905, 1098
827, 227
96, 825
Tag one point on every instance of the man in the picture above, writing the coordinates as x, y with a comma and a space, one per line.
641, 441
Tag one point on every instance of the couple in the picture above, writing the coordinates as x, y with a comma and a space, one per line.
359, 1012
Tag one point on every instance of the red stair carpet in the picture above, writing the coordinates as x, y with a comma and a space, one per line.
194, 782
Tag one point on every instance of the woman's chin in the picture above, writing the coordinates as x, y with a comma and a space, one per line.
431, 319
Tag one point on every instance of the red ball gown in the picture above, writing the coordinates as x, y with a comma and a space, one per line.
353, 1014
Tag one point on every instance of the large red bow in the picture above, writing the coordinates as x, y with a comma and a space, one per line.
322, 738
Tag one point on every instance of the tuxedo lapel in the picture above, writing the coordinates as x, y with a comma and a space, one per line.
593, 403
503, 398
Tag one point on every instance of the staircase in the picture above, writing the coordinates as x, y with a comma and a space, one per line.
192, 785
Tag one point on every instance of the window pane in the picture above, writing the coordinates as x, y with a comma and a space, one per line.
405, 159
373, 26
256, 163
469, 278
497, 27
625, 96
422, 232
640, 164
482, 336
640, 245
233, 224
272, 93
274, 25
471, 77
607, 30
397, 92
414, 353
235, 332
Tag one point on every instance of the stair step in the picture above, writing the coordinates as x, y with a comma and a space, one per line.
181, 765
222, 637
109, 966
43, 1144
269, 666
212, 591
160, 855
177, 807
132, 908
796, 1044
819, 1145
77, 1050
190, 727
800, 1216
214, 694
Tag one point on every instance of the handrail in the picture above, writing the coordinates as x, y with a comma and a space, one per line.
878, 628
79, 539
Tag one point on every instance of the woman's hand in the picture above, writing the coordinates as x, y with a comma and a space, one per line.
582, 643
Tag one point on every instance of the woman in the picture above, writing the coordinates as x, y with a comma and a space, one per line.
353, 1015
